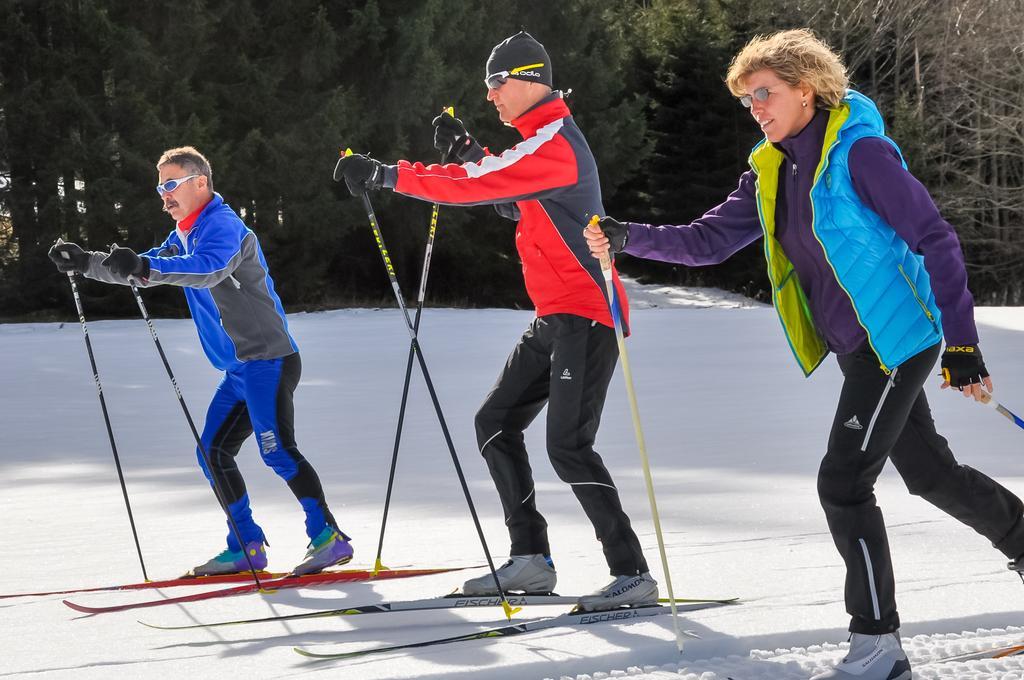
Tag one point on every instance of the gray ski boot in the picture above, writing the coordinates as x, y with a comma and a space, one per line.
522, 573
1017, 565
623, 591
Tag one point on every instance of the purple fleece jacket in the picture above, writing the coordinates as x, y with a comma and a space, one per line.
882, 184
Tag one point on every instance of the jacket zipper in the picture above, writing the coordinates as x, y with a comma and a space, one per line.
827, 153
913, 289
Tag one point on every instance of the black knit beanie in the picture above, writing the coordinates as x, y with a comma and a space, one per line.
522, 57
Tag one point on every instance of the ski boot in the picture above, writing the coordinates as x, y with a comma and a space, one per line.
234, 561
329, 548
1017, 565
871, 657
533, 574
624, 591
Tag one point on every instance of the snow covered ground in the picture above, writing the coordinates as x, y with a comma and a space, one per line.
734, 433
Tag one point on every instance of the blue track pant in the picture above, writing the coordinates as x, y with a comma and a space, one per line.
257, 396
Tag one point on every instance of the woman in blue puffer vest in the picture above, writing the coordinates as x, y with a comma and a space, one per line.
862, 265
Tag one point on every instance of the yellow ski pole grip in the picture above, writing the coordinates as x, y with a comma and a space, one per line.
605, 259
342, 153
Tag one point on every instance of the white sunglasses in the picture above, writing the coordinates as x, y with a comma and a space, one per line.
172, 184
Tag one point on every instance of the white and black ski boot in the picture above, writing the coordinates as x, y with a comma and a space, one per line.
624, 591
871, 657
533, 574
1017, 565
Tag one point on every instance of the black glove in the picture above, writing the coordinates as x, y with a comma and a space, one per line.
616, 231
361, 173
452, 140
962, 365
69, 257
124, 262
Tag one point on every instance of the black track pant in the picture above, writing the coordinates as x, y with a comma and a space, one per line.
565, 361
882, 417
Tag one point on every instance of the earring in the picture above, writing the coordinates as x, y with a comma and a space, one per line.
803, 102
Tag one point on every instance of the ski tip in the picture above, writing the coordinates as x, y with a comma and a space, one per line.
78, 607
154, 626
699, 600
310, 655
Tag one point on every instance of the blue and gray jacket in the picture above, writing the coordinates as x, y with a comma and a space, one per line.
227, 284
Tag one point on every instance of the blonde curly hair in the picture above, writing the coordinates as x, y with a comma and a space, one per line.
795, 56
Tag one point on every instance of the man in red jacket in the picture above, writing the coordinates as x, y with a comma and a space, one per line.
565, 359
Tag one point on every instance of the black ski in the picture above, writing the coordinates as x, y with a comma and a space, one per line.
454, 601
569, 619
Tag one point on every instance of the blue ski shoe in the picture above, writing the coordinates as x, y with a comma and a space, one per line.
328, 549
234, 561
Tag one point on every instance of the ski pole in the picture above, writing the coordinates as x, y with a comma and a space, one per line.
372, 217
606, 269
106, 415
987, 399
378, 566
217, 491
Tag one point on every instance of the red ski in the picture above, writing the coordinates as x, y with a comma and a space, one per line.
168, 583
348, 576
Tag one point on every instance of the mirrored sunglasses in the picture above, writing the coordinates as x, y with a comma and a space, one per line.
760, 94
496, 80
172, 184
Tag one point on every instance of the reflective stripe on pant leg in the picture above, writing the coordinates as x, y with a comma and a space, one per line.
529, 495
878, 409
871, 578
610, 486
532, 488
489, 440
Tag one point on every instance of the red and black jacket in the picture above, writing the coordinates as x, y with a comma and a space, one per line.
552, 178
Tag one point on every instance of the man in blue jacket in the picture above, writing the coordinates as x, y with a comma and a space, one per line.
244, 332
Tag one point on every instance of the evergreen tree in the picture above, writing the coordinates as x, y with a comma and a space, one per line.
701, 135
